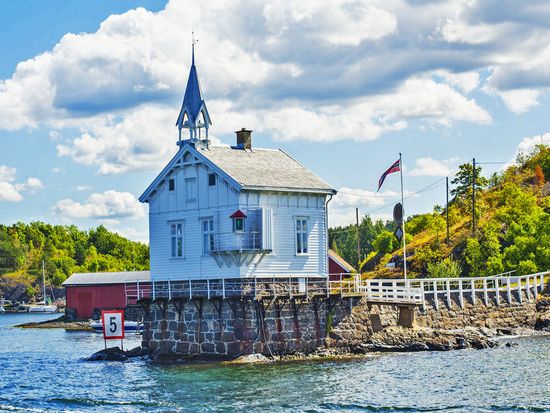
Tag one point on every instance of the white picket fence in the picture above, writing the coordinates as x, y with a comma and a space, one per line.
418, 291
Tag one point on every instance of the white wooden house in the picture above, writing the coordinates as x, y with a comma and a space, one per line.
231, 212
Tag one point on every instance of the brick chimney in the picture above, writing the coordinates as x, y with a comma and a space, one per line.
244, 139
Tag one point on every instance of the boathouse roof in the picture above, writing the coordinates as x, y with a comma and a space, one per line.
100, 278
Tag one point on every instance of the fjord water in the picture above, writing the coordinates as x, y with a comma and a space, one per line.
42, 370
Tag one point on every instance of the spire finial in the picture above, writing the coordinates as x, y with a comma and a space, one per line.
193, 43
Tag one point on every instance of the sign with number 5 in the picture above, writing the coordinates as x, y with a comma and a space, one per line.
113, 324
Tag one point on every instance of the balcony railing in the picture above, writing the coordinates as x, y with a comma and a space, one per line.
235, 241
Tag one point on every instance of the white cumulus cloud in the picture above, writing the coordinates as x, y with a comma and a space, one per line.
107, 205
433, 167
10, 191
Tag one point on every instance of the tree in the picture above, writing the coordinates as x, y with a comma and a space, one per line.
539, 176
463, 181
385, 243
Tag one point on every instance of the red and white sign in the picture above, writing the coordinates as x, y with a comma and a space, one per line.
113, 324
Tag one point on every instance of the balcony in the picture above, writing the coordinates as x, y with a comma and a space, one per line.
239, 248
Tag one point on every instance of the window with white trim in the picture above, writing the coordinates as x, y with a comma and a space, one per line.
301, 236
207, 235
176, 240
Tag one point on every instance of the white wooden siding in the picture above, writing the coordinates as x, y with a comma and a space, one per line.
219, 202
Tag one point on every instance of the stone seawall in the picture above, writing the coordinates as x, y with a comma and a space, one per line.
236, 327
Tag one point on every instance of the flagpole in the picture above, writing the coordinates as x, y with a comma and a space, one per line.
404, 219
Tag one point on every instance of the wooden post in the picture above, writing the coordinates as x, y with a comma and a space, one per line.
190, 290
223, 288
447, 207
358, 240
535, 287
341, 287
208, 288
527, 286
519, 291
460, 296
473, 287
436, 301
509, 290
497, 290
474, 197
485, 296
154, 292
169, 291
448, 286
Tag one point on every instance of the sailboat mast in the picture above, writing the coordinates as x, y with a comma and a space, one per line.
43, 284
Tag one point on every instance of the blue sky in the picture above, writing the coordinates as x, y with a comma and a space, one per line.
90, 91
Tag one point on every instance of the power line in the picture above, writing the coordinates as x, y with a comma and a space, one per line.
429, 187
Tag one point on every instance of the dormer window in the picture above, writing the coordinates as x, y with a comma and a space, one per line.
211, 179
238, 220
171, 184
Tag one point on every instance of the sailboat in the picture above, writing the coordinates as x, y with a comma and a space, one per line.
42, 306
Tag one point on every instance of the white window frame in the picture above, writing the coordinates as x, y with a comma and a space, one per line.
302, 235
239, 231
207, 235
176, 239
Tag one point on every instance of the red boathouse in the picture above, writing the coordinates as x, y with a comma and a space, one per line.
337, 265
89, 293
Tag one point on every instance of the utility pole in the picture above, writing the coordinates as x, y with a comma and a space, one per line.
447, 207
474, 197
358, 239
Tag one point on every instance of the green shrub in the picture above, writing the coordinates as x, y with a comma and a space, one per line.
526, 267
446, 268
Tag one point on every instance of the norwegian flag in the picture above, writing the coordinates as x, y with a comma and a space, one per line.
396, 167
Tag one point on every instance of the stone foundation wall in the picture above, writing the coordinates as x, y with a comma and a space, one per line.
235, 327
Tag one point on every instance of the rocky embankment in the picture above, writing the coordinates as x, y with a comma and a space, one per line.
543, 314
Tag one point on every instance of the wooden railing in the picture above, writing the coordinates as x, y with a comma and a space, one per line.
411, 291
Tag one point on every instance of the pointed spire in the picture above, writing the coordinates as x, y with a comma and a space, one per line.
193, 114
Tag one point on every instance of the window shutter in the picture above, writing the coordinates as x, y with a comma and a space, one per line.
267, 228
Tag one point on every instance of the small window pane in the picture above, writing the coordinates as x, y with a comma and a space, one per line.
211, 179
238, 224
171, 185
173, 247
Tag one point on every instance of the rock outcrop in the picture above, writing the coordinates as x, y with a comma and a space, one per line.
117, 354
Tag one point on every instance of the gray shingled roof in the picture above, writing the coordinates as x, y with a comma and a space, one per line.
265, 169
95, 278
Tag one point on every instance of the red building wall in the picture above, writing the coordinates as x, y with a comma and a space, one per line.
85, 299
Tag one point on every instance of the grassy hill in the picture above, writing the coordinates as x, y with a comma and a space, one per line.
512, 232
64, 250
